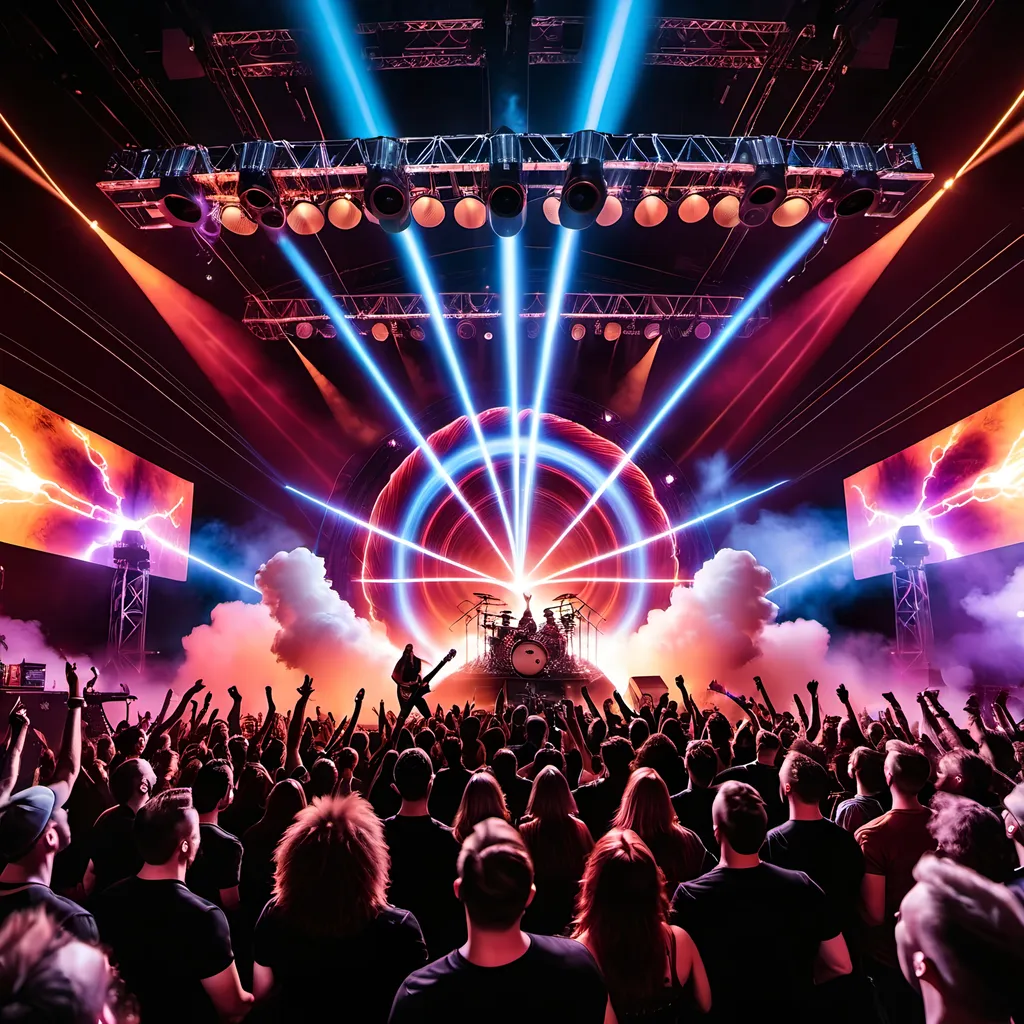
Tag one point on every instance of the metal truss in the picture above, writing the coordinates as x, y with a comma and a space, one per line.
262, 53
276, 318
453, 166
445, 43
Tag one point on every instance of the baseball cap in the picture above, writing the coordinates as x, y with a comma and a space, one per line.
23, 819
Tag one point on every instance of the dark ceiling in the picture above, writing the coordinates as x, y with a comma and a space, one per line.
73, 110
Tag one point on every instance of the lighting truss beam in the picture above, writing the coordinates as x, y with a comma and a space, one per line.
271, 318
263, 53
455, 164
442, 43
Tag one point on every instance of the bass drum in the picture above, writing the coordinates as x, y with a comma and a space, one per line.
528, 658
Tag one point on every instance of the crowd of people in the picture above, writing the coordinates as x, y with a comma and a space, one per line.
708, 859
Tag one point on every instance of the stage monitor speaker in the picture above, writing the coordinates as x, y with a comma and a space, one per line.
26, 675
653, 686
47, 710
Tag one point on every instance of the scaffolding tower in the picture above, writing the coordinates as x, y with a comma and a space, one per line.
910, 595
129, 603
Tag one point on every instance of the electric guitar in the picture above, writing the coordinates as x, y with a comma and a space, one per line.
410, 691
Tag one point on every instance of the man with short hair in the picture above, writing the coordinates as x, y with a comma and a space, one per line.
423, 857
803, 945
536, 737
866, 769
217, 866
892, 845
693, 805
34, 828
446, 792
598, 802
517, 790
500, 963
173, 948
763, 774
113, 852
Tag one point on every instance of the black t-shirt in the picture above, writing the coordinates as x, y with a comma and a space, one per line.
218, 863
559, 973
772, 977
69, 915
765, 779
165, 941
828, 855
693, 809
112, 847
446, 793
423, 868
366, 968
598, 803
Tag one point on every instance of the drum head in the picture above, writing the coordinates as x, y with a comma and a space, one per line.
528, 658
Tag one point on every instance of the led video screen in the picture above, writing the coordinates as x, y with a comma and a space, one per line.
65, 490
964, 486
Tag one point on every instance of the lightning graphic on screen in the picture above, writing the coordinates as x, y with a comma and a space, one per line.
1005, 480
21, 485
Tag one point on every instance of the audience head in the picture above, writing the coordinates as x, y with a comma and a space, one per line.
617, 756
906, 768
876, 732
469, 729
659, 752
495, 882
639, 730
767, 745
803, 780
165, 765
960, 939
965, 774
347, 760
493, 740
105, 748
254, 785
132, 781
212, 789
481, 799
550, 798
537, 730
549, 757
597, 732
33, 829
971, 835
505, 765
332, 867
286, 799
701, 763
451, 747
739, 818
360, 743
272, 757
414, 772
425, 739
323, 777
674, 731
719, 729
867, 767
238, 747
166, 830
646, 807
812, 750
130, 741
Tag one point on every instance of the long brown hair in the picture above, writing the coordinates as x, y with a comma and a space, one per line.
558, 842
623, 910
332, 867
481, 799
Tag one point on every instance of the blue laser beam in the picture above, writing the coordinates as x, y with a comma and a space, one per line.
849, 553
415, 253
775, 275
352, 341
200, 561
556, 577
509, 251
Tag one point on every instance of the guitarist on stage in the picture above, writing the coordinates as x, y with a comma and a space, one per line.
406, 676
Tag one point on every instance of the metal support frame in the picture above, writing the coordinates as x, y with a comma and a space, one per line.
263, 53
129, 607
271, 319
913, 615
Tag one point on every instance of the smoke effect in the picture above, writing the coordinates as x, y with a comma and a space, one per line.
241, 550
302, 626
26, 642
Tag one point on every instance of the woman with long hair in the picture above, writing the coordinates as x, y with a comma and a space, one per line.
329, 918
559, 844
259, 842
481, 799
646, 809
254, 785
653, 970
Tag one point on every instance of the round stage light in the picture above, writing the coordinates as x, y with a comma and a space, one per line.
488, 336
702, 331
380, 331
669, 479
344, 214
303, 330
533, 328
578, 332
470, 213
305, 218
233, 218
860, 200
417, 333
608, 416
181, 210
789, 213
466, 330
650, 211
427, 211
612, 331
550, 207
652, 330
272, 218
328, 330
610, 212
693, 208
727, 211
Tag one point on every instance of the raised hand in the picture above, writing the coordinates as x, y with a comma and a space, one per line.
233, 693
70, 673
812, 687
95, 675
306, 688
196, 687
360, 695
758, 683
891, 697
843, 693
716, 686
207, 699
271, 706
18, 716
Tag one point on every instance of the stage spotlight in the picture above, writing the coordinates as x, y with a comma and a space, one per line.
304, 330
693, 208
181, 201
392, 442
584, 189
650, 211
853, 195
669, 479
766, 188
470, 213
533, 328
344, 214
727, 212
550, 208
791, 212
427, 211
610, 212
608, 417
380, 331
488, 336
386, 189
417, 333
328, 330
305, 218
949, 183
466, 330
234, 219
652, 330
506, 194
256, 189
612, 331
578, 332
702, 331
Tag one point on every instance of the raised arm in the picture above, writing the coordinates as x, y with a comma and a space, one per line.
585, 693
739, 700
256, 747
235, 714
627, 712
762, 689
931, 725
18, 719
900, 716
69, 760
298, 720
844, 698
815, 727
163, 724
350, 729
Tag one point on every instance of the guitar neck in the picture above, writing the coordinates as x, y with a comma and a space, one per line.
425, 680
